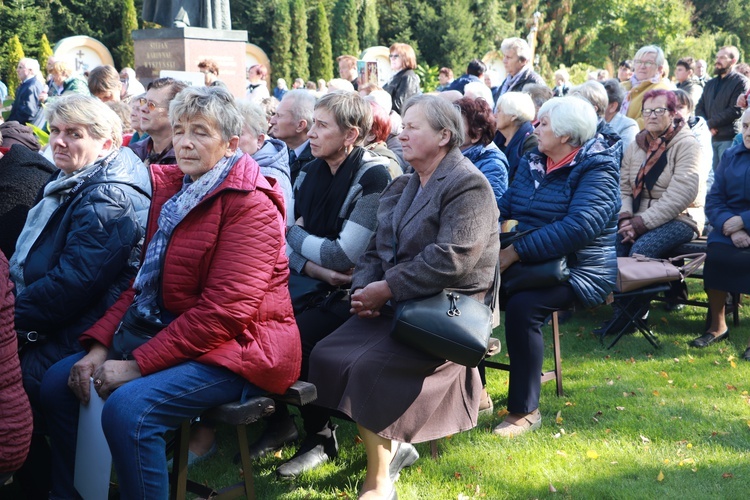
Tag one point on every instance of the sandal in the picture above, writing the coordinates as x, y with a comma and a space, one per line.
530, 422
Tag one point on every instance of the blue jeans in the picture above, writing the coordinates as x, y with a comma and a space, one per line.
135, 419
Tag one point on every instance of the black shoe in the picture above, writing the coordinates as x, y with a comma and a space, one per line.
276, 436
405, 456
746, 354
707, 339
314, 452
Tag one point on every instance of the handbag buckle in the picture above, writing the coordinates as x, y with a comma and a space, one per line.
453, 310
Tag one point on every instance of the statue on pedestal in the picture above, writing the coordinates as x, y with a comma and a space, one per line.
212, 14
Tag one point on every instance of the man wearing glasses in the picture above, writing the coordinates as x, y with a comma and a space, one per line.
718, 104
157, 148
647, 70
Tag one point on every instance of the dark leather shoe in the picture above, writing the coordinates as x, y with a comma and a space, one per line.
746, 354
276, 436
707, 339
405, 456
314, 452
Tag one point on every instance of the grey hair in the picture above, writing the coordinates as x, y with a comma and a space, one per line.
31, 64
651, 49
98, 118
440, 115
570, 116
615, 92
595, 93
519, 45
213, 103
478, 90
253, 117
349, 110
303, 105
518, 104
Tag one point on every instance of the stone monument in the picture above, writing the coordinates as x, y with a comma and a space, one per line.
193, 30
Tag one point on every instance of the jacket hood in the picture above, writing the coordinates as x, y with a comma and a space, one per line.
128, 169
13, 132
274, 154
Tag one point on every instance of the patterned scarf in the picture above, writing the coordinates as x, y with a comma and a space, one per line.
652, 166
146, 282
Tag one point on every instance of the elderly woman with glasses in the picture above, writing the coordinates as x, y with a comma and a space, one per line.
648, 66
405, 82
662, 187
213, 284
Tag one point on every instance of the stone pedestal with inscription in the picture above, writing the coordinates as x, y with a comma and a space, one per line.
181, 49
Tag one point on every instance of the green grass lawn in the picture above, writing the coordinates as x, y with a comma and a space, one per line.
635, 422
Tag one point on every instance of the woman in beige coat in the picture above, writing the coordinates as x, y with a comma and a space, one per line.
661, 187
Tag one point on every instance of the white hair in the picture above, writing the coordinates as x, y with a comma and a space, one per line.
651, 49
595, 93
475, 90
31, 64
570, 116
519, 45
381, 97
340, 84
517, 104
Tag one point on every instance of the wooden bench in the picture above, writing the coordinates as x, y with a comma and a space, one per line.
239, 415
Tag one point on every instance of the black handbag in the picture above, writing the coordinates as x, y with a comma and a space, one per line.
134, 330
448, 325
527, 275
307, 292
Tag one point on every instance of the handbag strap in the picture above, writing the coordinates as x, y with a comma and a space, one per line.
696, 261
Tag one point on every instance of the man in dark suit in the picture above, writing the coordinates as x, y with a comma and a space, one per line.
27, 106
291, 123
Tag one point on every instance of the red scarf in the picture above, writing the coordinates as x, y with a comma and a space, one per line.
552, 166
654, 149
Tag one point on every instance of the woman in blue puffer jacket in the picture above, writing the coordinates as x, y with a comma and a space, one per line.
79, 249
478, 147
567, 192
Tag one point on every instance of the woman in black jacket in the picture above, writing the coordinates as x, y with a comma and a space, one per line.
79, 248
405, 82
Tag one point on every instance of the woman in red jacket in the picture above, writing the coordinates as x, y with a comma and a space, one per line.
215, 276
15, 424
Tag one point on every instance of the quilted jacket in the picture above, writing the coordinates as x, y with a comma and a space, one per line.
225, 280
83, 259
574, 211
15, 424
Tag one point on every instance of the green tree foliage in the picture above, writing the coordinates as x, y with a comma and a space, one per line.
321, 59
45, 51
300, 66
394, 19
26, 20
344, 39
12, 53
281, 57
123, 52
428, 77
256, 18
490, 25
368, 24
457, 44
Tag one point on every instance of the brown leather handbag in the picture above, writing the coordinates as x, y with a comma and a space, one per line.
639, 271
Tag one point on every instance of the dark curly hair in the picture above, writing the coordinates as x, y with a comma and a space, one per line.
479, 117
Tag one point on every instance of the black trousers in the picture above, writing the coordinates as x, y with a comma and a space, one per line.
525, 313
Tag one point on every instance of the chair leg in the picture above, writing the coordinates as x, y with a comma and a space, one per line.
178, 489
736, 298
434, 449
247, 466
556, 348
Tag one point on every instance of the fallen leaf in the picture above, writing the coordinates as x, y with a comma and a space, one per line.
552, 488
666, 461
676, 360
592, 454
610, 382
502, 412
457, 475
645, 439
625, 394
727, 475
619, 408
357, 439
689, 446
730, 387
663, 374
655, 393
558, 418
568, 403
561, 453
732, 363
277, 454
660, 477
664, 320
461, 496
557, 436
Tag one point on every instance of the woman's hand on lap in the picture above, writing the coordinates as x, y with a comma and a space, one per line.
367, 301
740, 239
508, 257
732, 225
112, 374
79, 380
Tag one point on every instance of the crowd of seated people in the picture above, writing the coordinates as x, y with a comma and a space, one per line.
266, 240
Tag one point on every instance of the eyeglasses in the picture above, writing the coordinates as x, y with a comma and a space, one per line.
393, 56
151, 105
655, 111
648, 64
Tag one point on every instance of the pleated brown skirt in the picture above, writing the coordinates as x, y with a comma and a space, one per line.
392, 389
